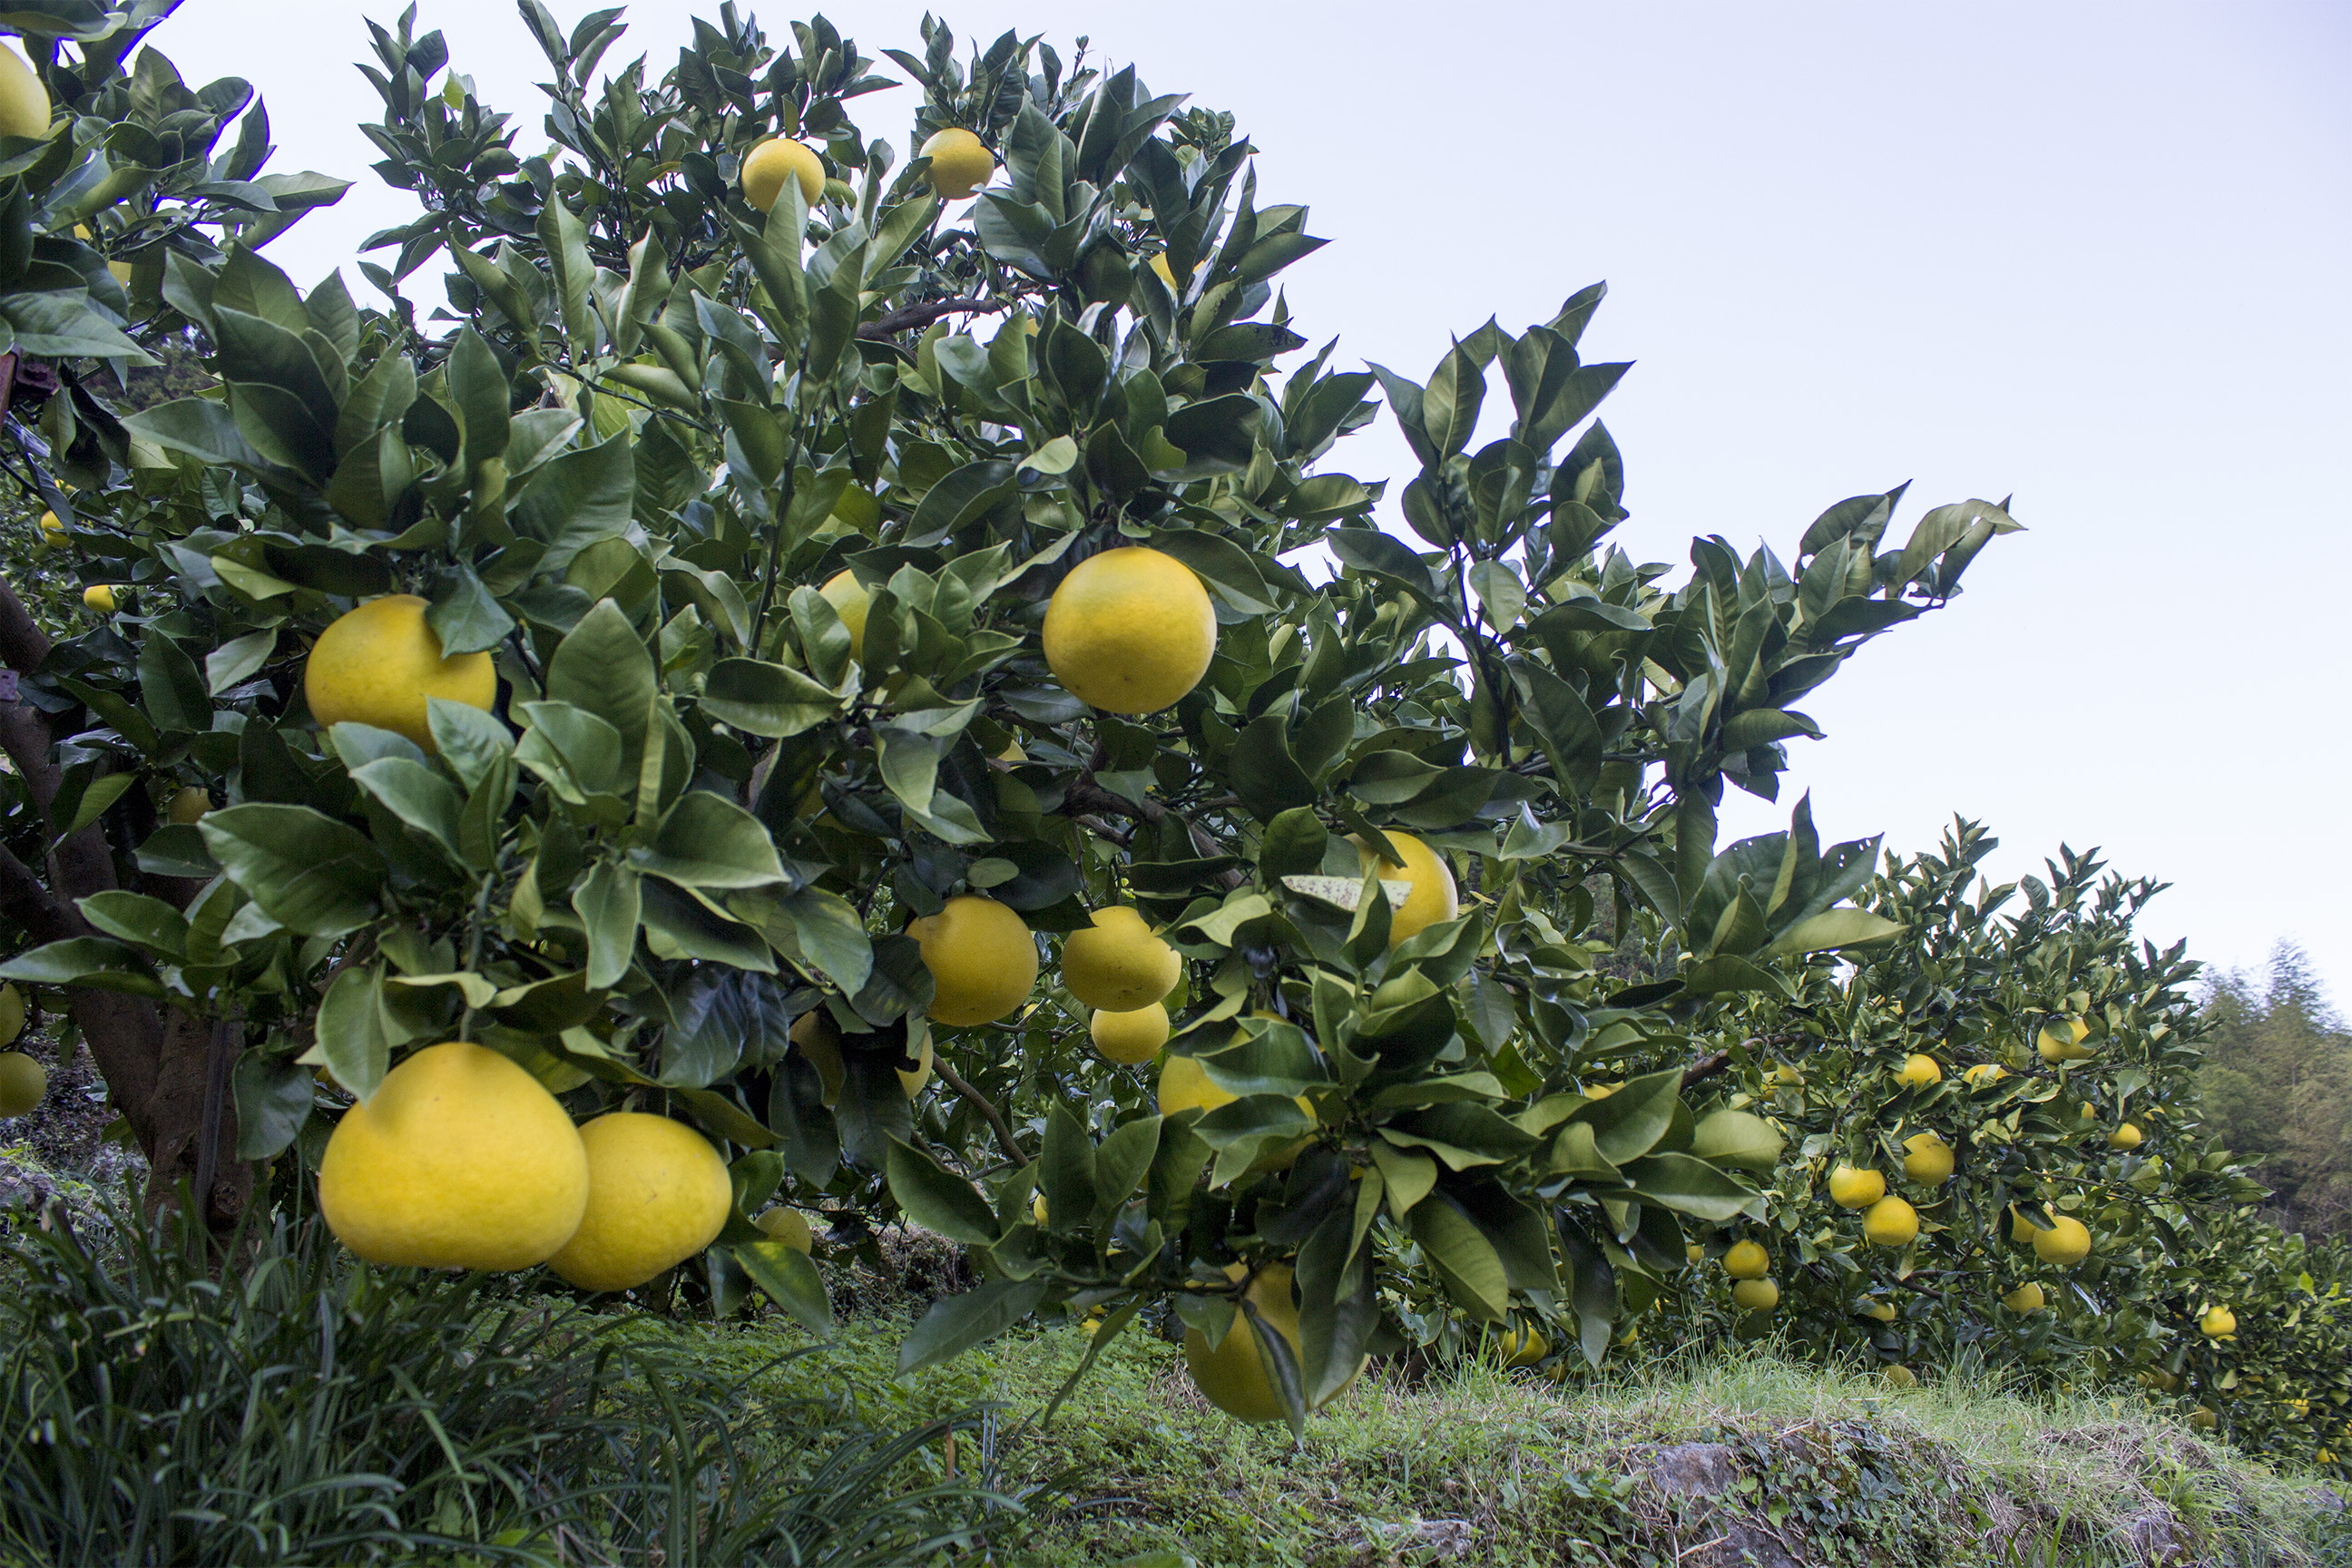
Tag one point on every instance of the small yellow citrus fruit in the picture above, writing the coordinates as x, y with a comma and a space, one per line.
1233, 1378
460, 1160
960, 163
1117, 963
2124, 1137
1694, 1252
1890, 1222
381, 663
2203, 1419
2026, 1298
2065, 1244
99, 597
1129, 631
1928, 1160
52, 530
766, 167
23, 1082
1433, 899
1853, 1189
24, 101
851, 602
1132, 1038
1920, 1070
1756, 1295
1982, 1074
189, 804
983, 960
1882, 1311
1900, 1377
789, 1227
2219, 1322
657, 1195
1747, 1260
1524, 1350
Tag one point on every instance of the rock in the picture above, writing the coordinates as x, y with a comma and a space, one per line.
2154, 1534
2323, 1500
1740, 1544
1439, 1538
1693, 1469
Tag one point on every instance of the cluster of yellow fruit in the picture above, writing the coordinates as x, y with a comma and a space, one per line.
23, 1080
462, 1159
960, 164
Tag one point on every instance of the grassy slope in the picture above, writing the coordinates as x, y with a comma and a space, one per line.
1493, 1469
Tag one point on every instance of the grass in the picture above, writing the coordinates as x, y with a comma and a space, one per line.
1477, 1466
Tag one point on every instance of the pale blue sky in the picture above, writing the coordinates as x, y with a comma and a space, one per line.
2094, 255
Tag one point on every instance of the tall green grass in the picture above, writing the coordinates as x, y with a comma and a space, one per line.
160, 1405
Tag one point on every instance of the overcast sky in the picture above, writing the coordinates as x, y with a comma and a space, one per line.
2093, 254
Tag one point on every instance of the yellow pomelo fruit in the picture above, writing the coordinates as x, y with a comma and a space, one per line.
657, 1195
2124, 1137
850, 601
914, 1082
788, 1225
1234, 1376
2026, 1298
2063, 1042
768, 165
983, 960
23, 1082
1129, 631
1890, 1222
1692, 1252
1882, 1311
1132, 1038
2021, 1229
1524, 1350
2203, 1419
24, 101
1928, 1160
52, 530
2065, 1244
819, 1039
380, 665
1117, 964
1747, 1260
2219, 1322
1756, 1295
1184, 1086
1853, 1189
1920, 1070
960, 163
1433, 899
11, 1015
1901, 1378
460, 1160
1982, 1074
189, 804
99, 597
1601, 1090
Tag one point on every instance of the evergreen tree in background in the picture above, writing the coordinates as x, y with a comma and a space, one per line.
2278, 1088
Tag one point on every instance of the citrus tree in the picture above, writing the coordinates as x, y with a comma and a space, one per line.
809, 690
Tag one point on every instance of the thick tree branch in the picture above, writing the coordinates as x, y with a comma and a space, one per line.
1706, 1068
907, 317
30, 905
984, 1105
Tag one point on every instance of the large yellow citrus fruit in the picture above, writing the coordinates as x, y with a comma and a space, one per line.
1890, 1222
1130, 1038
789, 1227
1184, 1086
2026, 1298
99, 597
960, 163
1756, 1295
188, 806
2063, 1042
11, 1015
24, 101
1928, 1160
1433, 899
1982, 1074
983, 960
1524, 1350
1233, 1378
380, 664
2065, 1244
819, 1040
460, 1160
52, 530
1117, 963
1747, 1260
2219, 1322
1129, 631
850, 601
23, 1082
657, 1195
1920, 1070
1853, 1189
768, 165
2126, 1136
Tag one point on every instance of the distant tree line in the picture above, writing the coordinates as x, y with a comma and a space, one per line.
2278, 1089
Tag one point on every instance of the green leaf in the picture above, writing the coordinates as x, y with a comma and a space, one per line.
791, 1281
1464, 1259
236, 658
602, 666
93, 961
1833, 929
1219, 925
1293, 844
354, 1042
1066, 1168
1726, 974
137, 917
273, 1100
314, 875
417, 795
707, 841
172, 691
763, 698
1123, 1158
100, 793
936, 1198
466, 616
956, 1323
1689, 1184
610, 903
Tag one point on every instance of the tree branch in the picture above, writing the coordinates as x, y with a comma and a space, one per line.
1086, 798
1706, 1068
31, 906
909, 317
984, 1105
